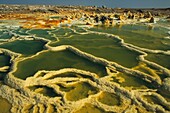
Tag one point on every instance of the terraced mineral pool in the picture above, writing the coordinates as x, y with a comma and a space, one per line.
151, 99
109, 99
43, 33
72, 75
160, 59
107, 48
2, 75
25, 47
127, 80
5, 35
4, 60
20, 31
150, 70
79, 29
65, 88
49, 60
165, 95
74, 91
141, 36
63, 32
80, 91
46, 91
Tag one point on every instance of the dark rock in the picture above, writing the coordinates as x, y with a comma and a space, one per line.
152, 20
140, 11
96, 19
103, 19
52, 11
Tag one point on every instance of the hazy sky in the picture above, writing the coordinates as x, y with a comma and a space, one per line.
108, 3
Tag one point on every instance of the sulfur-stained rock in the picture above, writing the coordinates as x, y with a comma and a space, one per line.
26, 108
131, 109
121, 17
35, 109
41, 108
107, 22
50, 108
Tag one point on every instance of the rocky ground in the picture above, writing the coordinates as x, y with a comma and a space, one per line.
93, 9
39, 16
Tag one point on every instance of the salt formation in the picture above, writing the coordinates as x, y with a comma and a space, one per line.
4, 69
39, 101
30, 95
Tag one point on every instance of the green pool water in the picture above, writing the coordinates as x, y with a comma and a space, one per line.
43, 33
78, 29
163, 60
46, 91
102, 46
132, 81
56, 60
2, 75
4, 60
25, 47
20, 31
140, 35
63, 32
153, 100
6, 36
152, 71
95, 44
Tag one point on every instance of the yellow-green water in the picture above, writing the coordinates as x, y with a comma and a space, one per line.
24, 47
109, 99
108, 89
102, 46
80, 91
4, 61
54, 61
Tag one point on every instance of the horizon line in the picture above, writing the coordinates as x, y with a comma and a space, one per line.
92, 6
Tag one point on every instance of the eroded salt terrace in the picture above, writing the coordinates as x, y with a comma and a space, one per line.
80, 69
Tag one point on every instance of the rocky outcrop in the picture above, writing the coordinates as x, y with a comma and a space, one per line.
152, 20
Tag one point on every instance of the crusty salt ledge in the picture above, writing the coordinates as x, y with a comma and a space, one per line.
23, 99
102, 84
